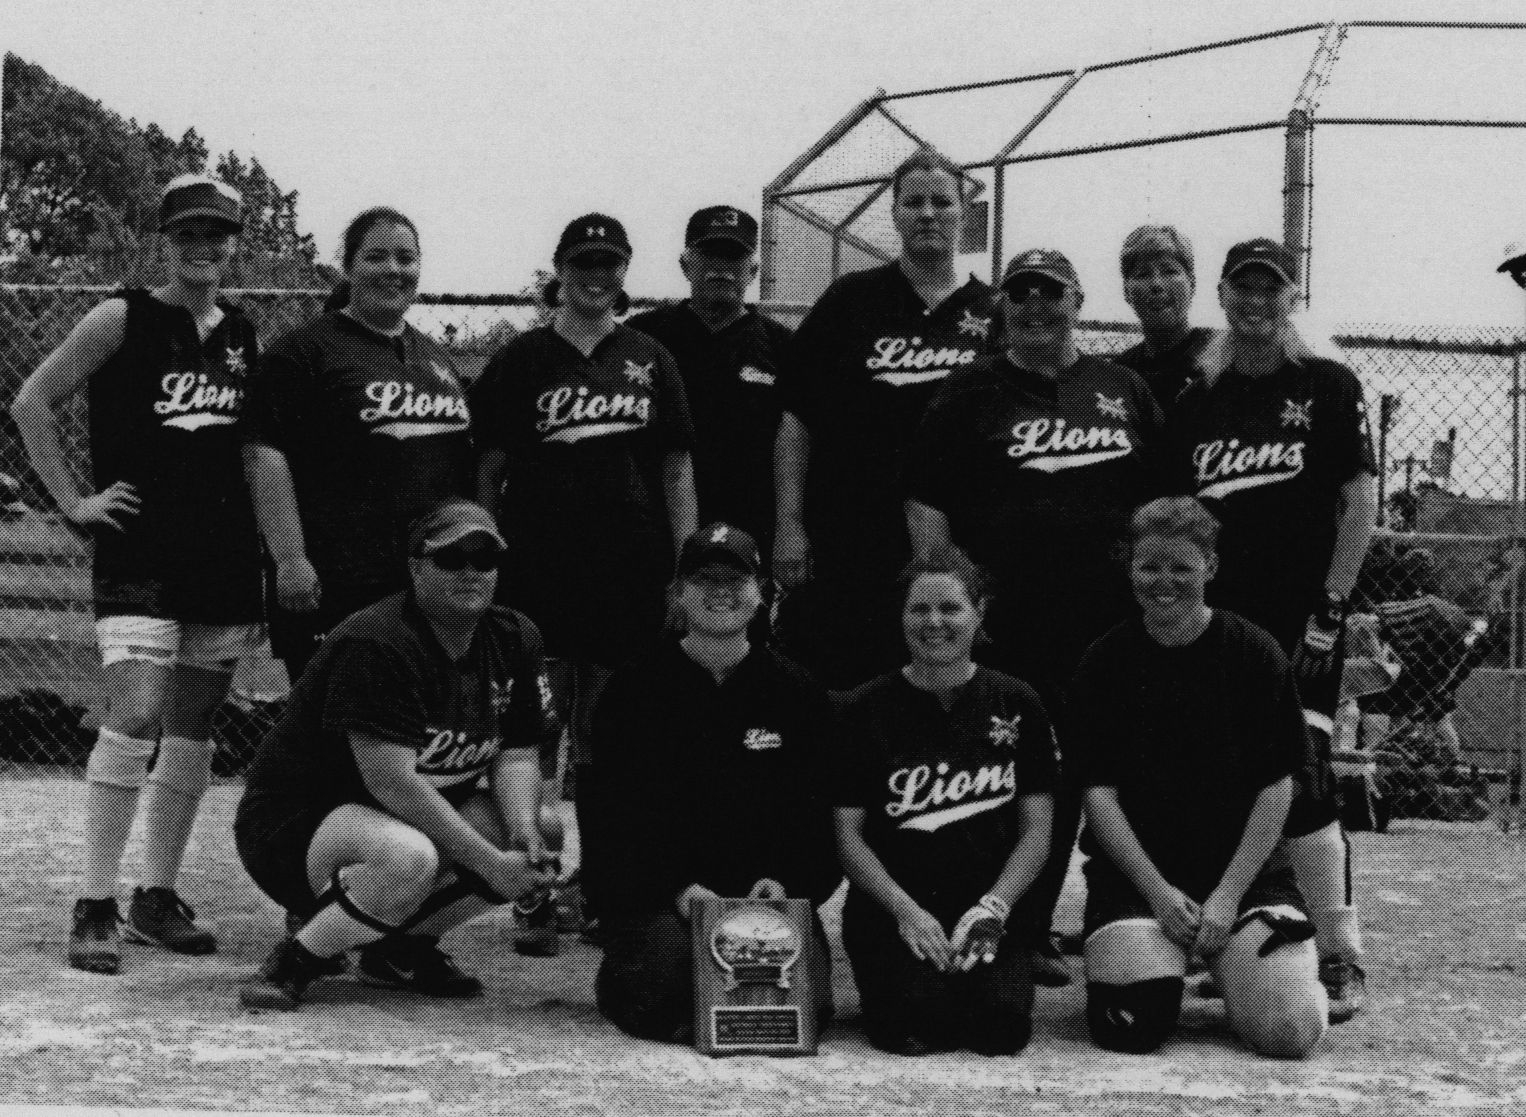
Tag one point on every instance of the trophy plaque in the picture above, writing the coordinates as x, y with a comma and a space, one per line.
754, 986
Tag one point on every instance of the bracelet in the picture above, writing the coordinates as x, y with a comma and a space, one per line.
996, 906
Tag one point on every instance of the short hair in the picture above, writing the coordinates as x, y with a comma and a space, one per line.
366, 220
949, 560
1175, 517
926, 159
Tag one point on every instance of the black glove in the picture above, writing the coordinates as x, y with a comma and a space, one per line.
1316, 658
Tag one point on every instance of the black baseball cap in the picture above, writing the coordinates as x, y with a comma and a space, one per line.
200, 196
1265, 252
1047, 262
450, 523
719, 542
593, 232
722, 223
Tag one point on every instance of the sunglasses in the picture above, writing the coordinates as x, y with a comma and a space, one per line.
1026, 286
453, 559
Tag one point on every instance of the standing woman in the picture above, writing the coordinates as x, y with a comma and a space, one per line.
176, 560
853, 385
1192, 731
357, 425
585, 440
1275, 441
944, 801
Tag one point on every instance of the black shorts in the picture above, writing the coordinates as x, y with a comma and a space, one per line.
1110, 896
1311, 812
272, 842
210, 595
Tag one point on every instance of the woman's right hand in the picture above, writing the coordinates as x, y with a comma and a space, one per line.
511, 875
1179, 915
792, 556
297, 587
105, 507
922, 932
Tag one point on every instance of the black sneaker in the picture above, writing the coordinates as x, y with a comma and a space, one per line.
537, 936
1346, 982
1049, 968
159, 917
415, 963
283, 977
95, 944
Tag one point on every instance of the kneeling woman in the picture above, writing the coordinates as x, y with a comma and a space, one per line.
944, 807
712, 751
382, 806
1191, 730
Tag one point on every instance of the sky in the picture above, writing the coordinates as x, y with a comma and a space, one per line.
494, 124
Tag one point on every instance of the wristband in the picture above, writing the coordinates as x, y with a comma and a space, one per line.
996, 906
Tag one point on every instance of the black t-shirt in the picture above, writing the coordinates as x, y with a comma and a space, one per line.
859, 373
1038, 477
729, 378
718, 784
1189, 736
1268, 455
165, 416
383, 673
942, 788
376, 431
1168, 371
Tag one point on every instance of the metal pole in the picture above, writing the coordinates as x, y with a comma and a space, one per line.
998, 220
1512, 819
1297, 191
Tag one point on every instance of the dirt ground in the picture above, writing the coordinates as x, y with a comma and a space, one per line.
1445, 1030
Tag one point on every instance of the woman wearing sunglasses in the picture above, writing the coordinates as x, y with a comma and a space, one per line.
381, 807
1031, 461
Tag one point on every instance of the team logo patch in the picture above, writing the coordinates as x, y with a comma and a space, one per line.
237, 365
639, 374
719, 534
751, 375
1050, 446
593, 231
929, 797
547, 700
1296, 414
1004, 730
756, 740
500, 694
1110, 408
974, 325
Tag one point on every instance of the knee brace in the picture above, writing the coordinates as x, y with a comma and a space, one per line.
1287, 927
335, 894
467, 883
1135, 1018
119, 760
184, 766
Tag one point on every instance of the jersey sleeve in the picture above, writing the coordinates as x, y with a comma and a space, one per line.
1038, 766
1097, 732
674, 427
279, 397
485, 401
805, 372
1348, 436
530, 721
372, 689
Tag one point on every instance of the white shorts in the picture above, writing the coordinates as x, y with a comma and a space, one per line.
210, 647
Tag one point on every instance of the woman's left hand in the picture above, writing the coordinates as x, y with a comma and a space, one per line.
1219, 913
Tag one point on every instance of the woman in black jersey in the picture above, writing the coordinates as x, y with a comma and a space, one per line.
176, 557
944, 799
1190, 731
585, 439
1275, 441
853, 385
357, 424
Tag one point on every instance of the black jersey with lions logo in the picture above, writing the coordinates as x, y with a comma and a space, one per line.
1268, 455
584, 440
860, 371
376, 430
1037, 476
941, 789
165, 417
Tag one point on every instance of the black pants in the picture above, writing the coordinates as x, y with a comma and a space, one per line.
988, 1008
645, 985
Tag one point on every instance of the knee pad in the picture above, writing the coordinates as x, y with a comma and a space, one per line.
184, 766
993, 1037
1136, 1018
1286, 926
119, 760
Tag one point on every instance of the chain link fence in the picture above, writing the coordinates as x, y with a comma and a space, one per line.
1434, 724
